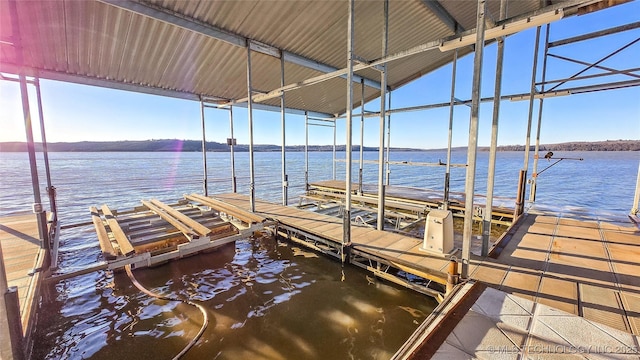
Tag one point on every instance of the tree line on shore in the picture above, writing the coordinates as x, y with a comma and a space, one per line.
196, 146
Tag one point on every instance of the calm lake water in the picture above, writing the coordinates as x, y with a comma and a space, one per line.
266, 299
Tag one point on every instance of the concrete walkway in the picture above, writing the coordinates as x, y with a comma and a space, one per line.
559, 288
586, 268
506, 326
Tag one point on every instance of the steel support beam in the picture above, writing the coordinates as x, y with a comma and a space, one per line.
532, 94
438, 10
612, 71
595, 34
361, 163
388, 143
473, 139
534, 172
306, 152
491, 171
285, 179
26, 111
447, 172
383, 98
346, 221
598, 62
191, 24
204, 152
252, 177
234, 184
334, 150
45, 152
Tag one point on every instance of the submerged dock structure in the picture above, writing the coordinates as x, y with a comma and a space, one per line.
211, 51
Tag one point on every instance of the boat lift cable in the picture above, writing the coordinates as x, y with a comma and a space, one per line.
205, 321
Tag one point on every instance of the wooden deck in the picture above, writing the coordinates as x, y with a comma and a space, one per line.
22, 254
400, 251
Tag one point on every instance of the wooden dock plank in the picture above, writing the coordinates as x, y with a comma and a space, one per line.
199, 228
186, 230
382, 244
22, 252
121, 238
230, 209
108, 251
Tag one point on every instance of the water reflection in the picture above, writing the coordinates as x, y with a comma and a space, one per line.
265, 300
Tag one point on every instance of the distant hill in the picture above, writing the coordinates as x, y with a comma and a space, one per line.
196, 146
164, 145
609, 145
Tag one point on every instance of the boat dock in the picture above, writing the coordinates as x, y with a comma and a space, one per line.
23, 256
384, 253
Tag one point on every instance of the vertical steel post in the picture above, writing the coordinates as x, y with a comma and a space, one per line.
388, 141
635, 209
534, 172
252, 184
45, 150
285, 179
334, 148
346, 224
525, 168
306, 151
473, 139
12, 306
447, 172
234, 185
35, 183
383, 98
491, 171
361, 139
204, 150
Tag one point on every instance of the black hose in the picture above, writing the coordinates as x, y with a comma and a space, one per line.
163, 297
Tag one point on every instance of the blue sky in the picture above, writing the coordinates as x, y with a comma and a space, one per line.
76, 112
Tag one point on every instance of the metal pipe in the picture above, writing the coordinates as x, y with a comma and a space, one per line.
45, 151
361, 142
306, 151
383, 98
596, 34
346, 224
447, 173
491, 171
611, 70
530, 117
285, 179
334, 149
388, 142
35, 184
534, 172
636, 198
204, 151
252, 190
234, 187
473, 139
597, 62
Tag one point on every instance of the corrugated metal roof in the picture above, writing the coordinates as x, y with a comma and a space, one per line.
103, 41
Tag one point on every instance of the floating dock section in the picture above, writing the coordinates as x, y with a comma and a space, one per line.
156, 232
415, 203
